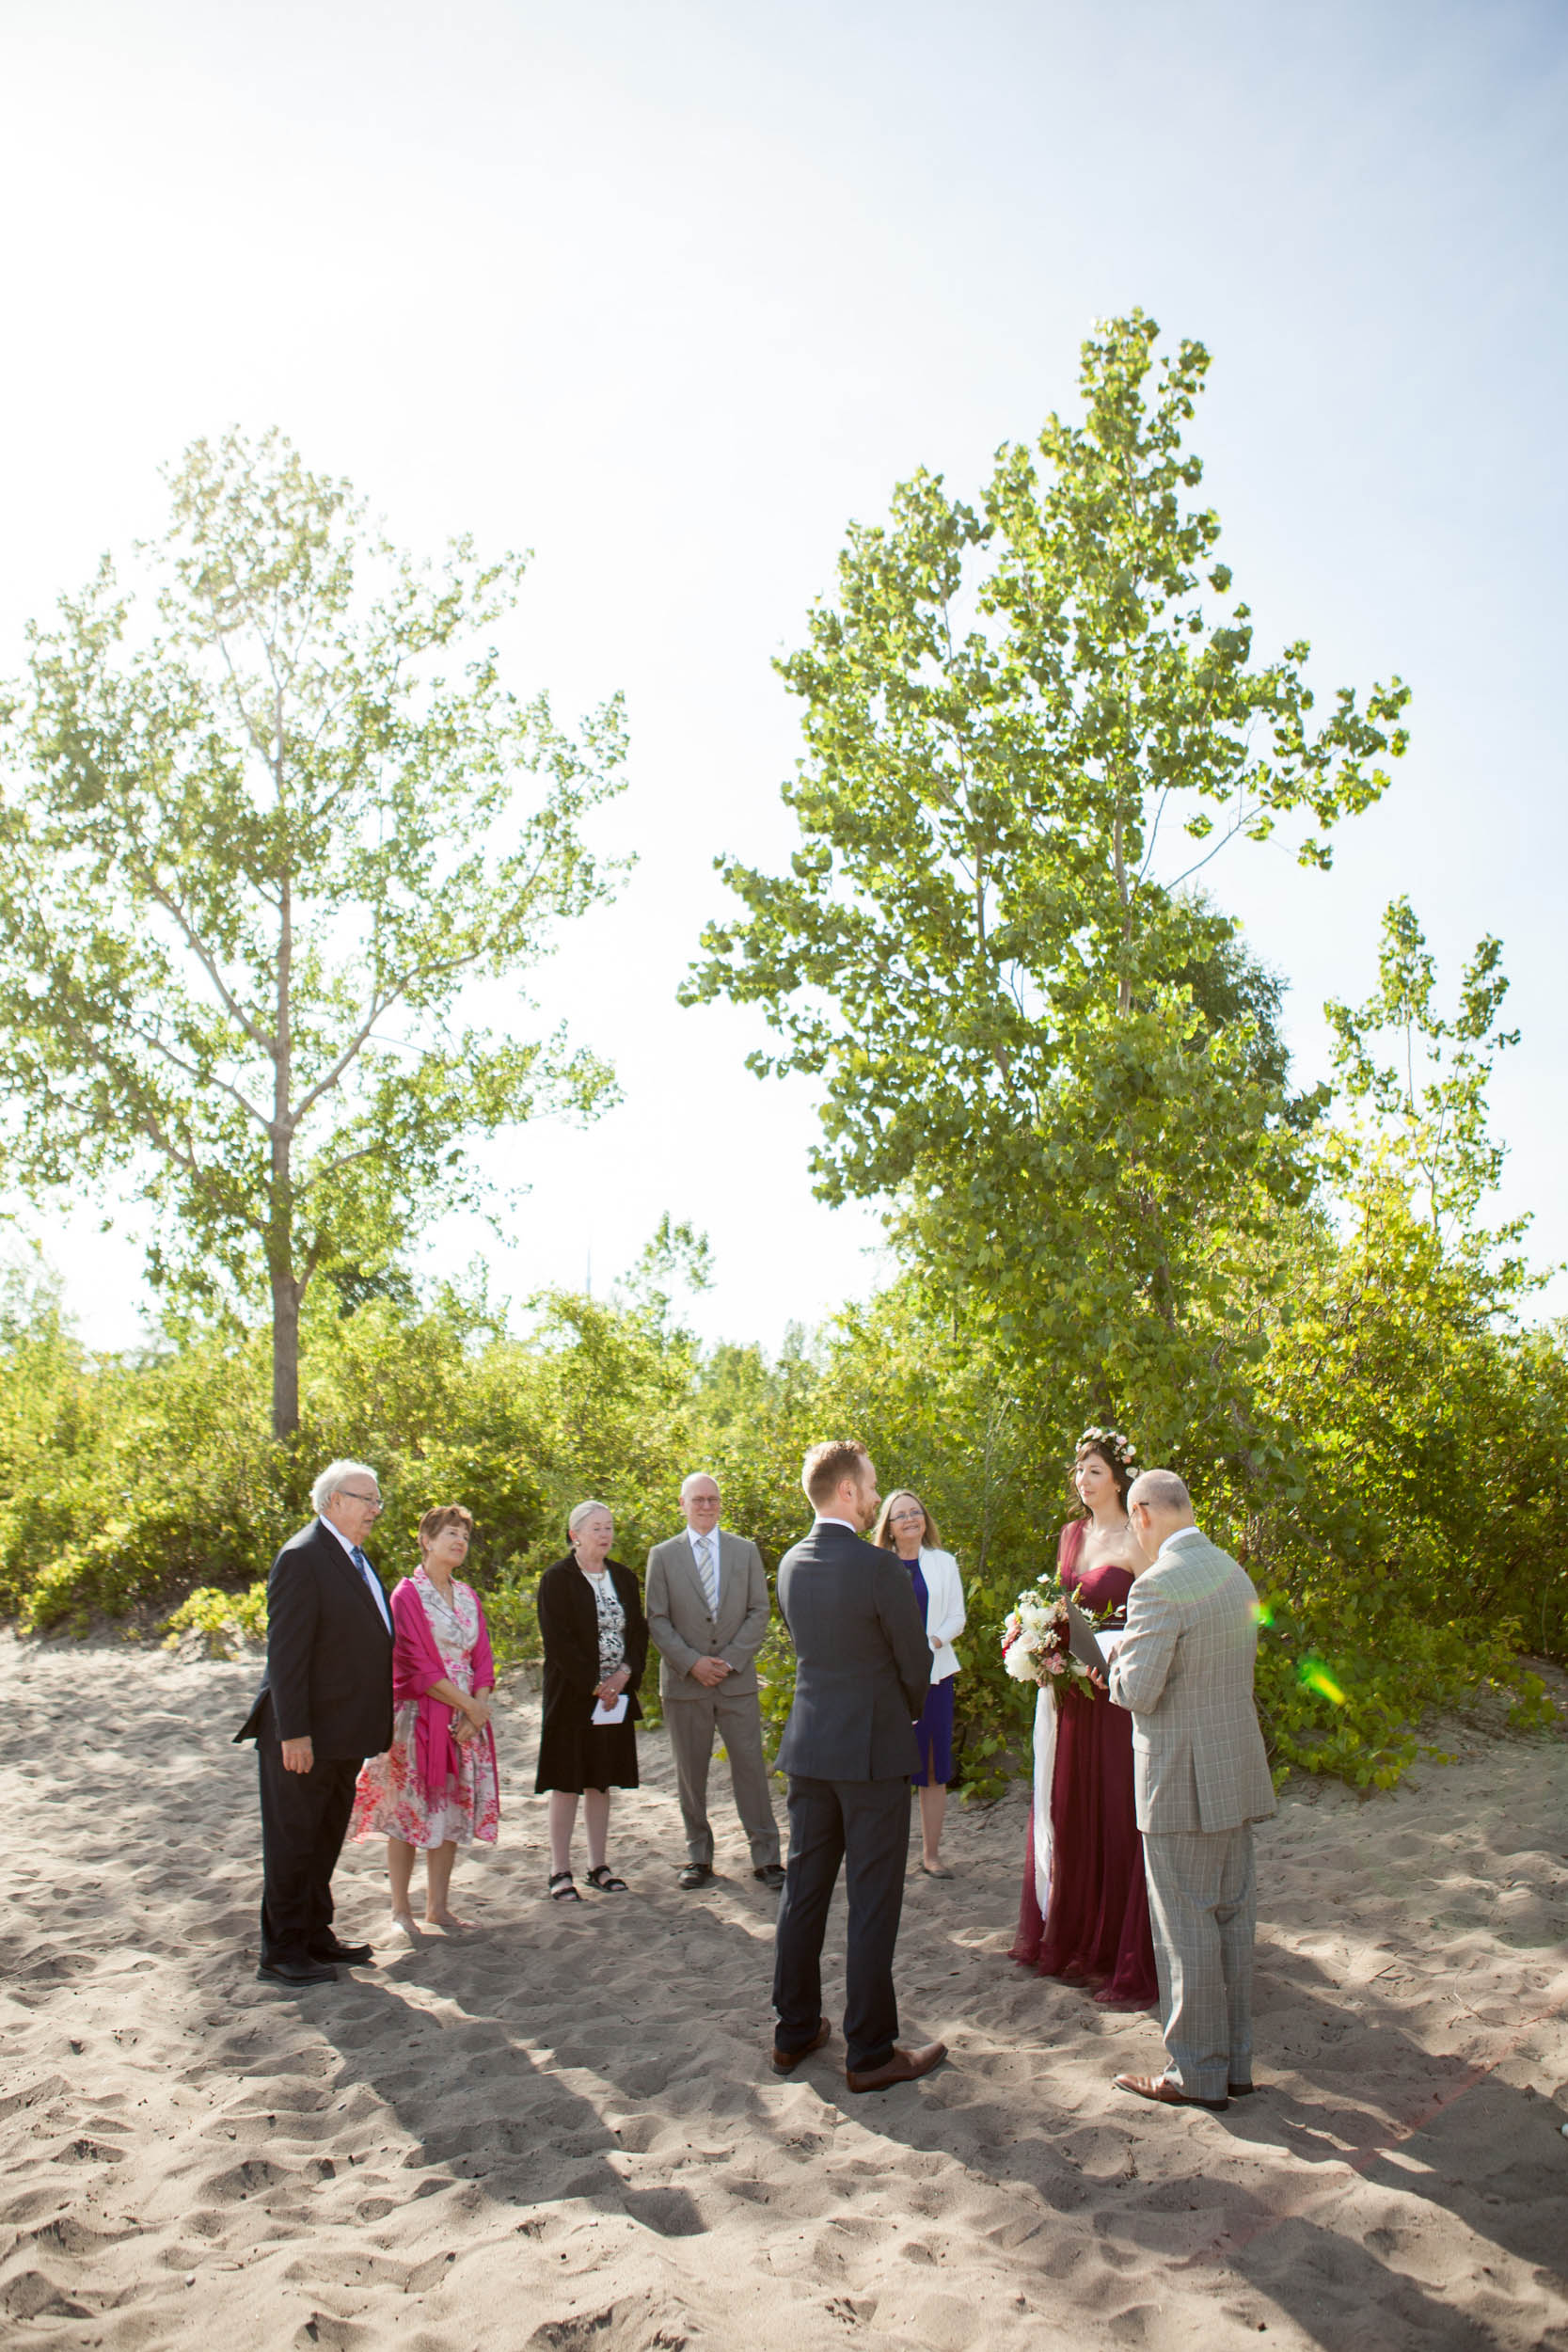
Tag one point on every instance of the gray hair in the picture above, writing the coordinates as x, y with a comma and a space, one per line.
1161, 1490
586, 1511
330, 1482
691, 1477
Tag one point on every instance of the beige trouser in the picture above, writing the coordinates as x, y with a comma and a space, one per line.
738, 1723
1203, 1909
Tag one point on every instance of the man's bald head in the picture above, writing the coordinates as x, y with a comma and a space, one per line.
1157, 1504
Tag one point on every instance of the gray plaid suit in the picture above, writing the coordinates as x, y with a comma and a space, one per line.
1184, 1669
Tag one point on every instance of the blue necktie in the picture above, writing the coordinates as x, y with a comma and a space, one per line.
372, 1581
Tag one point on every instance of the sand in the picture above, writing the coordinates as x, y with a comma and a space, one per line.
560, 2130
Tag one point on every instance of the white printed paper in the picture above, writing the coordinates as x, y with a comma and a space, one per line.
614, 1714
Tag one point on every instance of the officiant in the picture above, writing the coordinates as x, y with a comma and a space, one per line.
595, 1639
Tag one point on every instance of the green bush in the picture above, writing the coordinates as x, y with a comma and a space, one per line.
1397, 1494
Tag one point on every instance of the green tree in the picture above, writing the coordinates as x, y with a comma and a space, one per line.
983, 950
253, 847
1427, 1106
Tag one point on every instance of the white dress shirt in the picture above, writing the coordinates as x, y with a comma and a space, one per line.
369, 1575
694, 1536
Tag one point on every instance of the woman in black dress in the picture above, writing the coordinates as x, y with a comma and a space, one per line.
596, 1641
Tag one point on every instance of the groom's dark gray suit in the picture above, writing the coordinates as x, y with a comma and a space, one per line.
849, 1749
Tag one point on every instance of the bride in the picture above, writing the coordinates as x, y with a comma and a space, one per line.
1084, 1911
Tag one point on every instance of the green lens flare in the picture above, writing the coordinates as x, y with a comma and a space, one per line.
1264, 1613
1316, 1677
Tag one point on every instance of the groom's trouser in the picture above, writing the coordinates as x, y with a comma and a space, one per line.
864, 1824
691, 1723
1203, 1909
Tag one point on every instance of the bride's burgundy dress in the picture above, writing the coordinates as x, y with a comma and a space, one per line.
1097, 1930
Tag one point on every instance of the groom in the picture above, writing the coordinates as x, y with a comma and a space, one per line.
1184, 1669
850, 1750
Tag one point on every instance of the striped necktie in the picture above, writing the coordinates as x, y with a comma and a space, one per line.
373, 1582
704, 1570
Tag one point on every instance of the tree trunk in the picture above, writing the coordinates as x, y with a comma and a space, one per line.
280, 1206
285, 1352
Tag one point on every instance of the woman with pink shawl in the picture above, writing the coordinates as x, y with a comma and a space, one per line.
435, 1788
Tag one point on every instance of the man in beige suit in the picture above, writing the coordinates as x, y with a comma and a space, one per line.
707, 1614
1184, 1668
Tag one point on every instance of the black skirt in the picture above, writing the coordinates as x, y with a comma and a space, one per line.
577, 1756
575, 1753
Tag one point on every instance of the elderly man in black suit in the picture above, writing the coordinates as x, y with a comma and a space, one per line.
849, 1749
324, 1704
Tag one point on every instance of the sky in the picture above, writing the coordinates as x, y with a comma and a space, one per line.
669, 294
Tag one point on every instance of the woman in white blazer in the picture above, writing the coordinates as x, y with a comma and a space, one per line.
906, 1528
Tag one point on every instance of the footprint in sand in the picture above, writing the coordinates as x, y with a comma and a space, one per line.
245, 2180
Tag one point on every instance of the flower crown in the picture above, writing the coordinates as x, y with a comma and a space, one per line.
1121, 1447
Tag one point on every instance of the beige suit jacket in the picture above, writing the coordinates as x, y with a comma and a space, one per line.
1184, 1669
679, 1624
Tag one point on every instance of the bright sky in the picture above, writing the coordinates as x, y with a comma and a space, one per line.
669, 293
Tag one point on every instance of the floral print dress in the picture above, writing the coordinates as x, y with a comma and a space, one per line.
389, 1801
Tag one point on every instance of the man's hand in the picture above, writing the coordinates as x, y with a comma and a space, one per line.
298, 1755
710, 1672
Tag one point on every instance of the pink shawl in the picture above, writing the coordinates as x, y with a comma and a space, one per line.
416, 1665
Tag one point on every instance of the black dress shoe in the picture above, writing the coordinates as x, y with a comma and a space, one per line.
695, 1874
346, 1955
771, 1874
297, 1972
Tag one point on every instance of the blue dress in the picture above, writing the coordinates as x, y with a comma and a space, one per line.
934, 1730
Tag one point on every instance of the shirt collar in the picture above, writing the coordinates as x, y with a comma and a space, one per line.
694, 1536
348, 1544
1182, 1535
825, 1518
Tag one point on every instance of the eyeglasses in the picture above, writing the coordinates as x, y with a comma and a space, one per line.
372, 1503
907, 1518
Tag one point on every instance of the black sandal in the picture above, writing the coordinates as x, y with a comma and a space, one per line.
562, 1888
605, 1882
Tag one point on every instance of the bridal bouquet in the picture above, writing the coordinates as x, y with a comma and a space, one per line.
1035, 1642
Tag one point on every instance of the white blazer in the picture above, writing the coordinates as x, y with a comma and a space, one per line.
944, 1609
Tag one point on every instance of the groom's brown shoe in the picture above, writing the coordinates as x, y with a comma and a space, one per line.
904, 2066
1166, 2093
785, 2061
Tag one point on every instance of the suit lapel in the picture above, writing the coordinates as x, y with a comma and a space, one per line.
354, 1577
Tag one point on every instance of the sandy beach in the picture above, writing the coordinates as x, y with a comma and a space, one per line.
561, 2129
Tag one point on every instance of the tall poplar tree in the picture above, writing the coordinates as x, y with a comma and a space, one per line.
256, 840
1029, 726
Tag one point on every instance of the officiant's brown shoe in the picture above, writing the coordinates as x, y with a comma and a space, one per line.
785, 2061
1165, 2093
904, 2066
